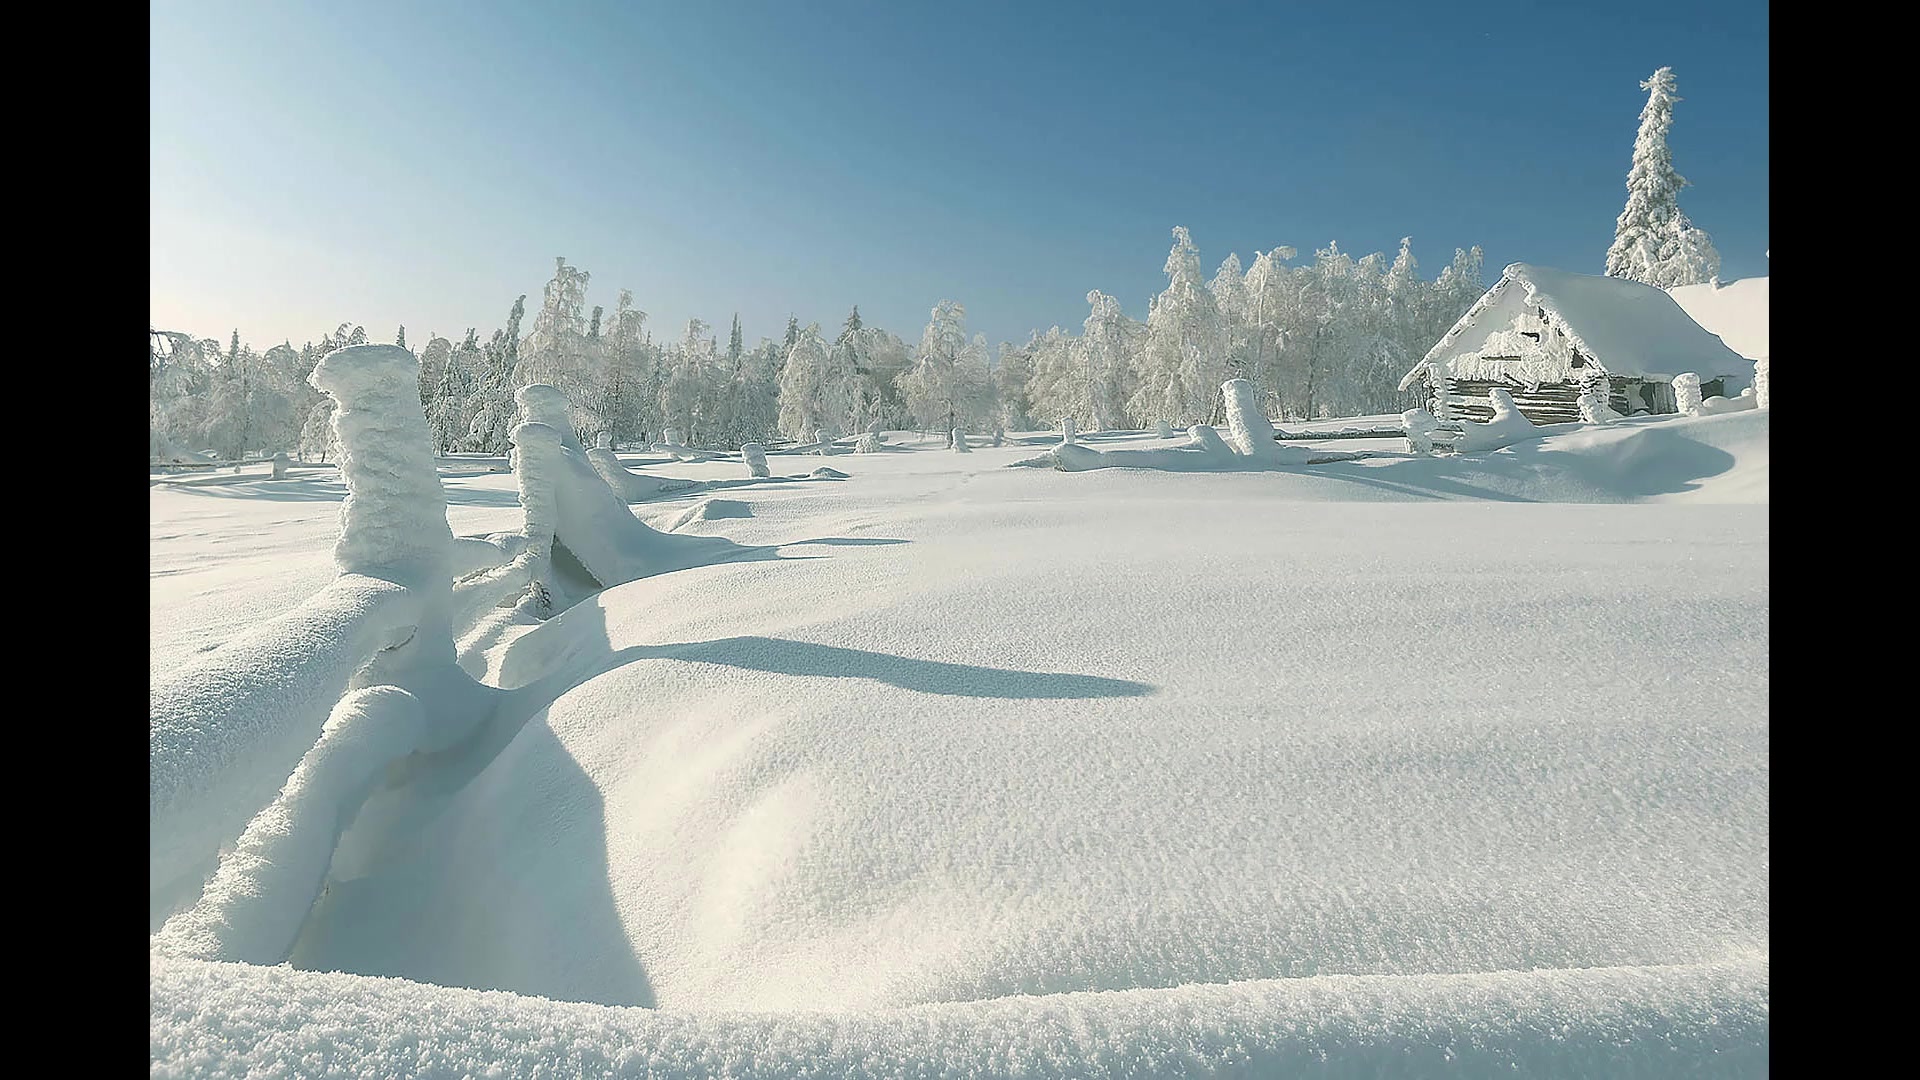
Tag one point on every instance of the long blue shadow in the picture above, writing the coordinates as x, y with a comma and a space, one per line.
784, 657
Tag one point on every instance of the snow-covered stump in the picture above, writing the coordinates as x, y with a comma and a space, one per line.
999, 436
1249, 431
604, 441
1507, 426
253, 907
756, 457
540, 448
1760, 382
1686, 393
393, 522
280, 465
960, 442
1419, 425
820, 440
1067, 431
1163, 430
1595, 409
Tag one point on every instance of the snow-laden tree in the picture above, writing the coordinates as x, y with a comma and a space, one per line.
559, 349
1012, 387
494, 411
1653, 242
948, 385
1185, 355
1113, 345
814, 389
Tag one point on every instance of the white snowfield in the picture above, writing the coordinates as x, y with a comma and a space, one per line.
1398, 766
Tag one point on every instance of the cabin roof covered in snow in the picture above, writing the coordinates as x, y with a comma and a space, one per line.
1627, 327
1737, 311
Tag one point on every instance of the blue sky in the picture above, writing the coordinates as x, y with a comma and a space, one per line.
423, 163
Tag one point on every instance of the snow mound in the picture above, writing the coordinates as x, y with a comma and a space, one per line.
825, 473
1252, 446
1737, 312
629, 485
232, 1020
708, 510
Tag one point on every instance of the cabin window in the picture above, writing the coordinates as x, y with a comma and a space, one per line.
1529, 333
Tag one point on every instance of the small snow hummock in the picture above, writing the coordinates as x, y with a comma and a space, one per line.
1163, 430
1760, 382
1067, 431
1718, 406
1686, 393
393, 523
756, 457
1249, 430
1419, 424
825, 473
960, 442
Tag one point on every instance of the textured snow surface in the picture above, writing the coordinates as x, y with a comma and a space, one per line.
1394, 766
230, 1020
1739, 312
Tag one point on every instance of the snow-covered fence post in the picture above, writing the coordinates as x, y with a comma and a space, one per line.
1440, 379
1163, 430
1760, 382
756, 456
1067, 431
1686, 393
1249, 430
280, 465
960, 442
1419, 425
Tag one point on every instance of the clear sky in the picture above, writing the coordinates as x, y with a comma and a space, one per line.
424, 162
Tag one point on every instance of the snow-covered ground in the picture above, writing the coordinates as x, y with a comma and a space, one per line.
1393, 766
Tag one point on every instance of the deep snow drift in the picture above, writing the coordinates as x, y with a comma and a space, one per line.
1383, 767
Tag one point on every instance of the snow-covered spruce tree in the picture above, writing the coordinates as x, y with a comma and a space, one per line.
1013, 388
1653, 242
1111, 342
494, 410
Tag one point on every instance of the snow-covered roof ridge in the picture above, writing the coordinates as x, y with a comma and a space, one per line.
1628, 328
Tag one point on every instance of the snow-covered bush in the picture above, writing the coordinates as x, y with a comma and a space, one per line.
1686, 393
869, 443
1760, 382
960, 442
756, 456
1250, 432
1419, 424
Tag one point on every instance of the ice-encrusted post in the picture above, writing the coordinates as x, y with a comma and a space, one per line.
549, 405
960, 442
1066, 431
540, 447
1686, 393
1419, 424
1441, 380
1760, 382
1249, 430
756, 456
393, 523
1163, 430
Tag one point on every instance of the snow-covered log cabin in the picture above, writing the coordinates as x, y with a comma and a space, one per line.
1546, 335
